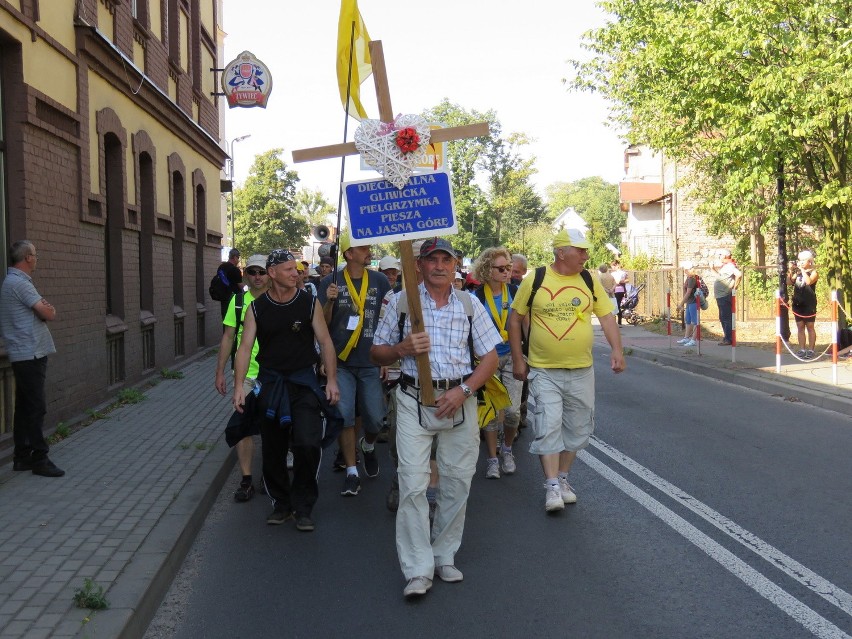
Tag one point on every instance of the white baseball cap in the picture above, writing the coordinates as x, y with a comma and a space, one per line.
389, 261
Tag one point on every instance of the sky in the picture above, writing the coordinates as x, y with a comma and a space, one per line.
503, 55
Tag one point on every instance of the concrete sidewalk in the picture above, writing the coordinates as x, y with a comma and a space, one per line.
139, 484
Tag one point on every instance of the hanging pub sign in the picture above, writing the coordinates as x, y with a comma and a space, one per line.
246, 82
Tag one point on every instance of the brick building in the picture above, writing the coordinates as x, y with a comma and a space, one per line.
111, 161
662, 219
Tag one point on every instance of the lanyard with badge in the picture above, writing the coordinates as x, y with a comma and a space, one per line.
356, 321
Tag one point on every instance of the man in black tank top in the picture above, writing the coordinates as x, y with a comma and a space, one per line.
286, 320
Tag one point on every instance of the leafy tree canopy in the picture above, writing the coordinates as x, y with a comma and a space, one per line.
596, 201
267, 214
741, 90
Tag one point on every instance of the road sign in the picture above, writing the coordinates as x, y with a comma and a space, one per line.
379, 212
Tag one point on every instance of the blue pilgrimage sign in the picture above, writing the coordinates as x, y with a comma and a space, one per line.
379, 212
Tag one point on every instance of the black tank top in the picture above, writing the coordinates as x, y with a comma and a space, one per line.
284, 332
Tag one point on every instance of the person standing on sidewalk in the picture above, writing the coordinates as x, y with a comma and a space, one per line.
689, 305
24, 314
258, 281
559, 364
493, 267
451, 339
286, 321
620, 290
351, 299
728, 279
803, 277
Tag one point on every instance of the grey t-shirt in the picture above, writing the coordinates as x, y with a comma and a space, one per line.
724, 284
24, 333
344, 308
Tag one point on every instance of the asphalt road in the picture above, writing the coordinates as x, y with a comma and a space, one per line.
704, 510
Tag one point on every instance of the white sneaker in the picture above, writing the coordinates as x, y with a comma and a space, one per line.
493, 469
683, 340
450, 574
553, 499
289, 460
507, 462
568, 494
691, 342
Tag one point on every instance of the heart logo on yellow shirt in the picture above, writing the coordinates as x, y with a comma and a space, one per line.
579, 313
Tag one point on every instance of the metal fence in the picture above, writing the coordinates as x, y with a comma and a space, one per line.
755, 296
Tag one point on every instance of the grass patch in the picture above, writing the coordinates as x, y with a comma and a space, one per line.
130, 396
200, 445
183, 445
95, 415
166, 373
90, 596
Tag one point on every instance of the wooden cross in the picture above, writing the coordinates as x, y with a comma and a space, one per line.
415, 312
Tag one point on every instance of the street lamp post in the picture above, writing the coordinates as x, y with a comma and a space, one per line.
233, 213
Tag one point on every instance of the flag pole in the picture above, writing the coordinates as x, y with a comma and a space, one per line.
343, 157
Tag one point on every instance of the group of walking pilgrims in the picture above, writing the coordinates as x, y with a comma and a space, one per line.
334, 360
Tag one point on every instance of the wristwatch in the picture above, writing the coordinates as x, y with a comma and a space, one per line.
466, 390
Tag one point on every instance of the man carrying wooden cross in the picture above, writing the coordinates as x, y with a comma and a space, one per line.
452, 339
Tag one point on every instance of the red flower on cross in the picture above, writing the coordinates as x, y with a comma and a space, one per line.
407, 139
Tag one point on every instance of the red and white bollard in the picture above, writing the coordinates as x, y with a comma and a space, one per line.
733, 325
778, 331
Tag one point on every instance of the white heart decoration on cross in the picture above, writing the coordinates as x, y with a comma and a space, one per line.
377, 142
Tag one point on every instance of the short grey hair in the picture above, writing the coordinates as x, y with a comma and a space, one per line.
517, 257
20, 250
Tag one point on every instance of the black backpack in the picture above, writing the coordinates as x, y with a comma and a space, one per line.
220, 287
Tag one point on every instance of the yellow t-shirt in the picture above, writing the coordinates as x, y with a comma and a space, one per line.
561, 333
231, 320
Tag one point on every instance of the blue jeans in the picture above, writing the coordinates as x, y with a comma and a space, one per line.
724, 304
361, 384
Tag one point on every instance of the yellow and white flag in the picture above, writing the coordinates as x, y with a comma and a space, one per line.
360, 55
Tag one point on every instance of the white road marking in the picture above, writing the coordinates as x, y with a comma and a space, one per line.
810, 619
824, 588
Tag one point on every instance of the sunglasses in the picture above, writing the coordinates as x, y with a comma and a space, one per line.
502, 269
255, 271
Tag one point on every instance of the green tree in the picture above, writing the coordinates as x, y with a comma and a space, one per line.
746, 92
513, 203
492, 193
596, 201
461, 158
312, 205
267, 214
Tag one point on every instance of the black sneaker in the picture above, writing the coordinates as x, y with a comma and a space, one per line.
245, 491
279, 516
351, 485
46, 468
392, 501
371, 459
304, 523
